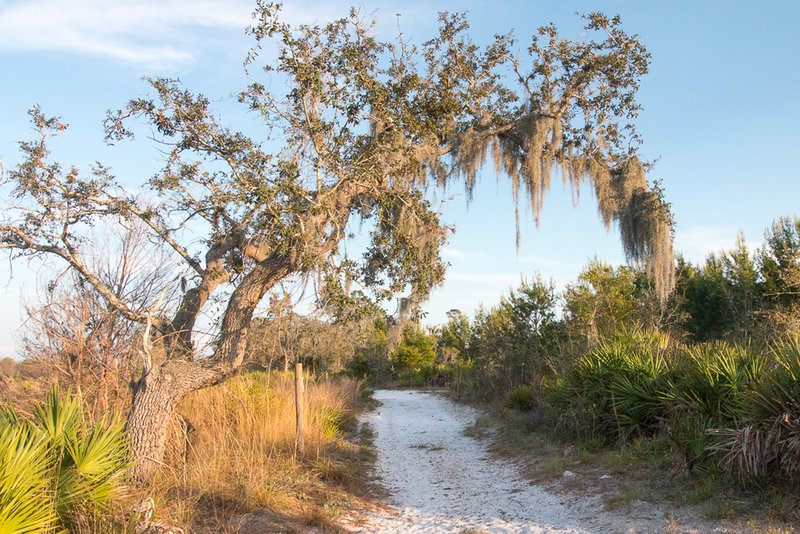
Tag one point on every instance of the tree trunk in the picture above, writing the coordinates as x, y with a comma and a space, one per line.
162, 386
155, 397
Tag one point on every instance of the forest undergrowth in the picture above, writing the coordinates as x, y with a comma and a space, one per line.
641, 417
231, 462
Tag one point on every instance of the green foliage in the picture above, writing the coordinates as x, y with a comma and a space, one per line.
512, 343
520, 398
370, 348
717, 379
26, 504
705, 300
768, 443
427, 375
455, 335
359, 366
779, 262
416, 349
78, 467
619, 387
779, 259
602, 301
724, 296
715, 383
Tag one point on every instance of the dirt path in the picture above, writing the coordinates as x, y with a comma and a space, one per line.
441, 480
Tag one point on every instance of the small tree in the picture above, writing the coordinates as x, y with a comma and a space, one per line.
356, 128
723, 296
416, 349
454, 336
779, 265
601, 301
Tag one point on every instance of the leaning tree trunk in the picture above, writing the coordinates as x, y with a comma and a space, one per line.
155, 396
162, 387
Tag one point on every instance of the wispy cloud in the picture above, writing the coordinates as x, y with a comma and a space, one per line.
145, 32
448, 252
698, 242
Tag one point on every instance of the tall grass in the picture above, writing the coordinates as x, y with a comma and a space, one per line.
232, 449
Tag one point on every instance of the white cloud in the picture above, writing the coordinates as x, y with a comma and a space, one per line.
460, 254
147, 32
157, 33
697, 243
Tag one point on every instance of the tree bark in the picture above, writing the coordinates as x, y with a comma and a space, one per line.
153, 403
155, 396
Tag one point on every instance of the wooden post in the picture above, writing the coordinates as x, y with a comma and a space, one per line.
458, 378
299, 408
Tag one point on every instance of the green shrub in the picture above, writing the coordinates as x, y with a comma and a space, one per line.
717, 379
359, 367
416, 349
520, 398
25, 500
769, 441
411, 378
619, 388
60, 466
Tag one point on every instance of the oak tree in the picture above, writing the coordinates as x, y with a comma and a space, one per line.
353, 130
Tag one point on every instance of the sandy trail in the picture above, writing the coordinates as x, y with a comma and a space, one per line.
440, 480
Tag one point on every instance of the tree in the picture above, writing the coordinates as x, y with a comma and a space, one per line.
454, 336
530, 310
602, 301
779, 265
723, 297
416, 349
355, 127
509, 344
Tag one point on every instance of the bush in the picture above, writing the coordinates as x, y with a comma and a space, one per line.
56, 469
416, 350
717, 380
25, 501
520, 398
428, 375
769, 441
620, 387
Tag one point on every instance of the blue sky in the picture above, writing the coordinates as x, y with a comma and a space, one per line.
721, 111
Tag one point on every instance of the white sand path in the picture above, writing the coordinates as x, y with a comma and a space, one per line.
441, 480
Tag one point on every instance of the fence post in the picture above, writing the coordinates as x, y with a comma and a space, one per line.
458, 378
299, 408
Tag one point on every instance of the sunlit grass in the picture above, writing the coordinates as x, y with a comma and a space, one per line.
232, 451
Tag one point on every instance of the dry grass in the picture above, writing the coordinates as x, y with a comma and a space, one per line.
232, 453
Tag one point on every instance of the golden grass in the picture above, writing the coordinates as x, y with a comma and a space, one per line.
232, 452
